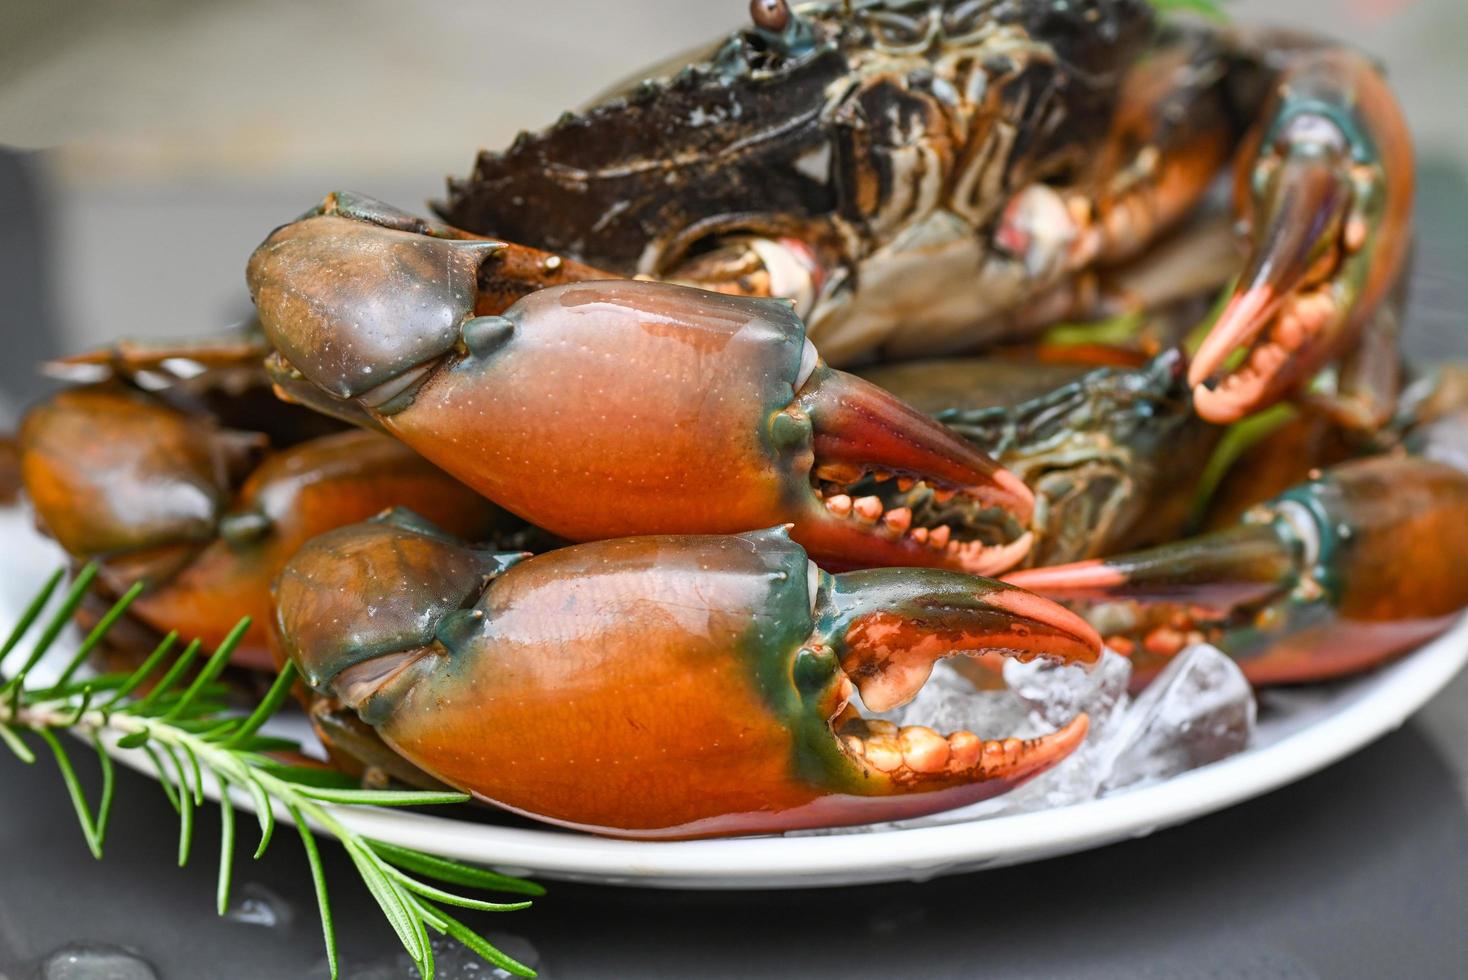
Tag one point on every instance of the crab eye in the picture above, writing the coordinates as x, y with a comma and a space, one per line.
809, 360
813, 582
770, 15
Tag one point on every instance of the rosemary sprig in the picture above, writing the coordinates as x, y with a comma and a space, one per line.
184, 732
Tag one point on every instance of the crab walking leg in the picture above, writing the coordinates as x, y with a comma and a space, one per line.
1055, 253
659, 687
612, 408
1334, 576
1113, 455
1328, 198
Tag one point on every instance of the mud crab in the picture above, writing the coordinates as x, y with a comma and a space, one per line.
921, 176
641, 360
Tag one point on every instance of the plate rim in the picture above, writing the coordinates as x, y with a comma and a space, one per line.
1381, 703
1372, 705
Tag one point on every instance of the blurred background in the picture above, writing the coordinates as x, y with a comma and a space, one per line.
147, 146
163, 139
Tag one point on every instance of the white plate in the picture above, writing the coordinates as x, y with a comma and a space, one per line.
1316, 729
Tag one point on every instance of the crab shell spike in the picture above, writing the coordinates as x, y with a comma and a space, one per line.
659, 687
604, 409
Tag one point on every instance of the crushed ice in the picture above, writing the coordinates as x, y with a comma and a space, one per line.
1198, 710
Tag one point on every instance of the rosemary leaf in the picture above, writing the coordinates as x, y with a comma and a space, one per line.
211, 670
198, 782
164, 686
274, 698
22, 751
74, 787
381, 797
264, 813
479, 945
453, 872
164, 779
305, 776
226, 844
390, 899
104, 625
59, 621
439, 895
135, 740
318, 878
109, 785
269, 743
185, 808
145, 670
28, 618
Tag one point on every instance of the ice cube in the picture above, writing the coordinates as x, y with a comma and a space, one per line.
1200, 709
948, 703
1077, 779
1057, 693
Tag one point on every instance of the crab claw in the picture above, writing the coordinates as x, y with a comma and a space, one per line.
202, 516
1334, 576
891, 625
870, 450
110, 470
1331, 195
658, 687
613, 408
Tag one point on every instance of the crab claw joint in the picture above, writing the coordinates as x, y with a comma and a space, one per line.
613, 408
659, 687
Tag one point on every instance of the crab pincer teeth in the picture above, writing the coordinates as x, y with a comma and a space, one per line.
861, 426
1275, 315
890, 626
915, 755
868, 444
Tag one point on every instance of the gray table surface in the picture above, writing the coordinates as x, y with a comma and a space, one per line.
1360, 871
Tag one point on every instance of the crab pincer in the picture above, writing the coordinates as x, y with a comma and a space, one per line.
1328, 201
203, 516
611, 408
1333, 576
663, 686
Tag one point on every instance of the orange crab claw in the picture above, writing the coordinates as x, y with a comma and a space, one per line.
1331, 197
868, 444
163, 498
1334, 576
1307, 205
605, 409
660, 687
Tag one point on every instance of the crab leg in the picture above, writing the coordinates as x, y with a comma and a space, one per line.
674, 686
613, 408
1329, 197
1333, 576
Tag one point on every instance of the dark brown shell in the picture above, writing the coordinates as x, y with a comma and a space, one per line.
720, 141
